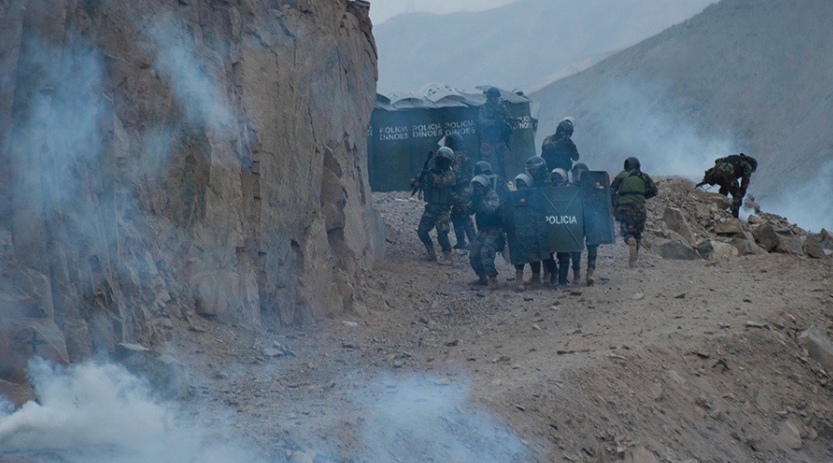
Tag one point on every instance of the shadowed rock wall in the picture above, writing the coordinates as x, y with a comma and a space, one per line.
166, 159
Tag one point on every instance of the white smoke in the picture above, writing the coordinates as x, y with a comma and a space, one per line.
662, 135
96, 413
420, 419
809, 203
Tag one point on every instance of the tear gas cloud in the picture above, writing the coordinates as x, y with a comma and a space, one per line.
96, 413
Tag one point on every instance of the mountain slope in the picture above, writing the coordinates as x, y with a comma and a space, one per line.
753, 76
519, 45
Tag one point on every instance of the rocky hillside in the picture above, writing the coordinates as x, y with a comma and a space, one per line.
166, 160
751, 76
525, 44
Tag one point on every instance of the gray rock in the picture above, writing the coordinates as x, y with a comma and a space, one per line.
640, 455
790, 244
676, 221
715, 250
812, 247
225, 200
790, 435
731, 227
16, 394
675, 249
766, 236
818, 345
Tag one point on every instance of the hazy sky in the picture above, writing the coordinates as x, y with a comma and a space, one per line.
380, 10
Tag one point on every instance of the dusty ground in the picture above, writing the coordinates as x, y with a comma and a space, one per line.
656, 362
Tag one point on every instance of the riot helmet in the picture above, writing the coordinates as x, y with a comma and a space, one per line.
559, 176
492, 92
482, 167
577, 171
480, 180
567, 125
536, 167
523, 180
445, 156
632, 163
454, 141
752, 161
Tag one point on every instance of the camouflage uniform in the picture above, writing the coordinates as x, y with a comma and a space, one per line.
726, 173
631, 189
494, 135
460, 216
490, 235
439, 196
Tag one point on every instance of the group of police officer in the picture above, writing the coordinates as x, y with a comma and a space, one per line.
454, 190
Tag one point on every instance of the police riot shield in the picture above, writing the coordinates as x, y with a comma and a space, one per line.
599, 227
543, 221
522, 223
563, 219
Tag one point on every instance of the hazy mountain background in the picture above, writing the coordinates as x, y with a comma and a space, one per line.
745, 75
382, 10
525, 44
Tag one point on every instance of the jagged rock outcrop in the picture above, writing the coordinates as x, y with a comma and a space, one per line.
162, 160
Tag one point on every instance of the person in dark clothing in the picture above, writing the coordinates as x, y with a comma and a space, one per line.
460, 216
630, 191
495, 131
490, 236
559, 179
726, 173
439, 197
592, 249
558, 149
524, 182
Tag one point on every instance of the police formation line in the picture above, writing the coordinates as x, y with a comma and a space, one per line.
550, 213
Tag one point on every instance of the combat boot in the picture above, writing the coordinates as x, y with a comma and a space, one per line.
519, 280
633, 252
431, 255
480, 281
492, 286
447, 259
461, 238
534, 281
590, 279
576, 277
546, 277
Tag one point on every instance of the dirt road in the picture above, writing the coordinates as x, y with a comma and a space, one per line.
674, 361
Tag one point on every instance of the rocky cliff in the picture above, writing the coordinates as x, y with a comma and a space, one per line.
168, 159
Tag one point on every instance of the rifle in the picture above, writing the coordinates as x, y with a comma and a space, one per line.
508, 128
417, 182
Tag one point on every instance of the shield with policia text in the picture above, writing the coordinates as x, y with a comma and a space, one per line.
599, 227
543, 221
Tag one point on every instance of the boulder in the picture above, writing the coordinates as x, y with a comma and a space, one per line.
164, 372
715, 250
812, 246
675, 249
722, 202
747, 247
675, 220
818, 345
766, 236
790, 244
731, 227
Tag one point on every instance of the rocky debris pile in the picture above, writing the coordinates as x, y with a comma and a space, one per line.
688, 223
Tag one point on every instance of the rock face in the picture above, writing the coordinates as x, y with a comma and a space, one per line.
162, 160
